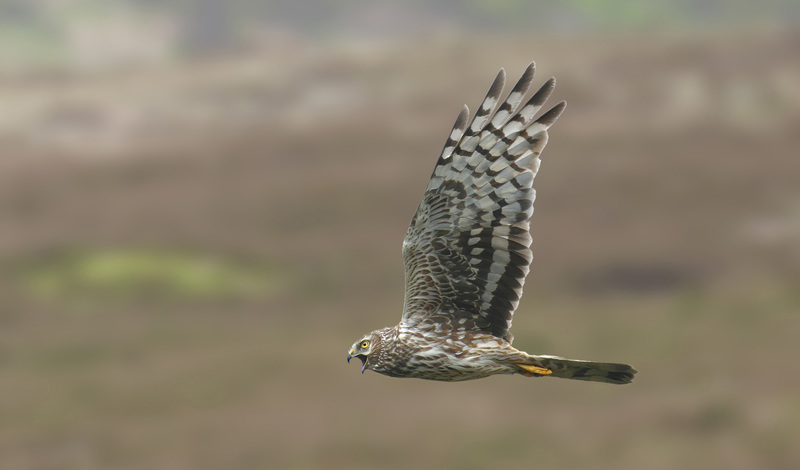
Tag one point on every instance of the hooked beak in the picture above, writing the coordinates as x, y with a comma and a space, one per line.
363, 358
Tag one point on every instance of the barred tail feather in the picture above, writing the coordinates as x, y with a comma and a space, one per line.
607, 372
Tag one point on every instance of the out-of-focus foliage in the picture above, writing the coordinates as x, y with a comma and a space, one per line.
139, 274
42, 32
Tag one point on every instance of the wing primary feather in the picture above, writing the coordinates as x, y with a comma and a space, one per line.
488, 104
455, 135
507, 110
549, 118
526, 113
543, 93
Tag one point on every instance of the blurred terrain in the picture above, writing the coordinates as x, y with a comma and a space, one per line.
192, 237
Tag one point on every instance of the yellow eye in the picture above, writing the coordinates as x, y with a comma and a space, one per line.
364, 344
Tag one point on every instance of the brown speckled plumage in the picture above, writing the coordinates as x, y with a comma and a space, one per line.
467, 253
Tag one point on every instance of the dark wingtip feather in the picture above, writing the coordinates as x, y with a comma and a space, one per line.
527, 76
544, 92
488, 105
455, 134
552, 115
531, 67
497, 85
463, 117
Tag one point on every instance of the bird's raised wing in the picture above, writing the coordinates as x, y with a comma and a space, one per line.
467, 251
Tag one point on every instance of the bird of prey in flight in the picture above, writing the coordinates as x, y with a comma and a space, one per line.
467, 253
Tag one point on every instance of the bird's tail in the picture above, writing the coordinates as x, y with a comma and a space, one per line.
607, 372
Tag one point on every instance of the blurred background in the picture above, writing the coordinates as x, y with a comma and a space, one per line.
202, 206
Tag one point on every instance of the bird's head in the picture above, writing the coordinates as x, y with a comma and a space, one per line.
375, 350
363, 349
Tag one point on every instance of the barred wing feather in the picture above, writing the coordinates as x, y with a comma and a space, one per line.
467, 251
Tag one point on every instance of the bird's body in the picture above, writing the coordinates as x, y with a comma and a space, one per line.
467, 253
418, 354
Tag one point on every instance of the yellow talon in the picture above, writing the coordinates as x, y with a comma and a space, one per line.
535, 369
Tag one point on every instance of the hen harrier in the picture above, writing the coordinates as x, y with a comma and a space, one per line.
467, 253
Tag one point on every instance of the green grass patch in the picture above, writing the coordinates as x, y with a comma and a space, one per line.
146, 274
